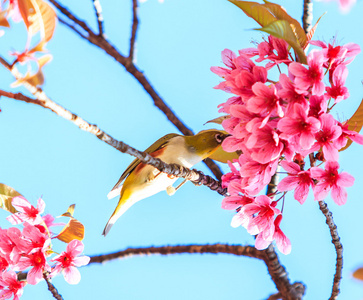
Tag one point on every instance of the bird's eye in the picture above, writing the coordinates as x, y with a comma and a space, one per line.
219, 138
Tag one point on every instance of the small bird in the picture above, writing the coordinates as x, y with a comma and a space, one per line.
142, 180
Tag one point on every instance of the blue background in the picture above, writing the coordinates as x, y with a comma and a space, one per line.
43, 155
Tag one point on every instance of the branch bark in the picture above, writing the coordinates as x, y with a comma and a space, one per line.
338, 249
52, 288
172, 169
307, 18
99, 16
131, 68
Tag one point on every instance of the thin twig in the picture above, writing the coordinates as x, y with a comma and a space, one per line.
135, 23
52, 288
171, 169
307, 18
104, 44
338, 249
99, 16
74, 28
248, 251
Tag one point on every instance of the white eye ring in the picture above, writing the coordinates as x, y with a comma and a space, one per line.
218, 138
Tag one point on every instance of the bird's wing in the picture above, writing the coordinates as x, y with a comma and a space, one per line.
160, 143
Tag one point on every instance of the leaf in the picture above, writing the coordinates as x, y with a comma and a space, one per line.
358, 274
74, 228
282, 30
3, 20
277, 22
280, 13
49, 19
218, 120
223, 156
255, 11
310, 34
355, 123
36, 79
38, 16
7, 194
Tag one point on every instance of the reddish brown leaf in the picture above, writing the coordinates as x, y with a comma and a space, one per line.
73, 230
355, 123
38, 16
36, 79
7, 194
218, 120
358, 274
310, 34
3, 20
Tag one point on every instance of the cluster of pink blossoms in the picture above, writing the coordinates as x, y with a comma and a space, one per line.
28, 250
281, 123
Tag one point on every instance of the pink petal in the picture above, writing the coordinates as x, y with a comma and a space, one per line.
34, 275
339, 195
20, 203
288, 183
75, 247
72, 275
40, 205
81, 261
301, 193
345, 179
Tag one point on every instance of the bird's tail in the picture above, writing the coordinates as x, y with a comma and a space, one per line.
122, 206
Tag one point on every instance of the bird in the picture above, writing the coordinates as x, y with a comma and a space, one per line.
140, 180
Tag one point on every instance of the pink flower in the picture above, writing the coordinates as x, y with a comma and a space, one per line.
337, 90
36, 259
263, 240
26, 211
326, 137
260, 215
265, 144
34, 237
8, 246
288, 92
329, 179
298, 124
282, 241
265, 101
10, 286
275, 50
296, 179
68, 261
312, 77
235, 202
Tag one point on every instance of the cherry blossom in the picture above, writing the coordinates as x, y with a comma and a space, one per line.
297, 180
69, 260
330, 179
26, 211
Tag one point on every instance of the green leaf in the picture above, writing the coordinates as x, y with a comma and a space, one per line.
255, 11
282, 30
280, 13
7, 194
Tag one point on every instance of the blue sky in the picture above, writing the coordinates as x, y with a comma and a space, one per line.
178, 42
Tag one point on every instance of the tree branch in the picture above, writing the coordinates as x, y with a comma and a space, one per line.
338, 249
102, 43
135, 23
307, 18
171, 169
290, 292
238, 250
52, 288
99, 17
